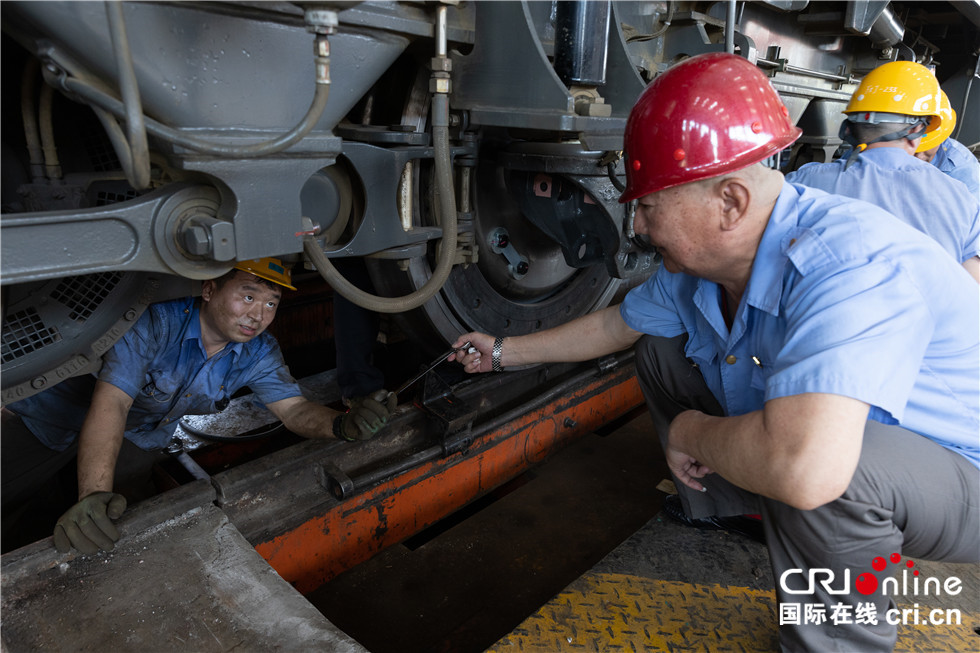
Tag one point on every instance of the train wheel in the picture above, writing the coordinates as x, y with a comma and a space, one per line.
519, 283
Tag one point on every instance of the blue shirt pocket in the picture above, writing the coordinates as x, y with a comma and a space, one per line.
200, 404
160, 387
759, 377
700, 350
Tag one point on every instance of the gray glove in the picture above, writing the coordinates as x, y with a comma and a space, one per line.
367, 416
88, 524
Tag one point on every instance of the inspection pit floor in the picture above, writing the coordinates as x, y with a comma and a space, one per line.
575, 556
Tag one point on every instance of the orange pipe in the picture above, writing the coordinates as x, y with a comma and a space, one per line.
363, 525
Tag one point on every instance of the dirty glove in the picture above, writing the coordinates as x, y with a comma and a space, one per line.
366, 416
88, 524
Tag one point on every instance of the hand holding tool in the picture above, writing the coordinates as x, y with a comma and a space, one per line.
434, 364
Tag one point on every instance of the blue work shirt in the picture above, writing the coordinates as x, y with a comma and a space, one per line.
161, 363
910, 189
953, 159
843, 299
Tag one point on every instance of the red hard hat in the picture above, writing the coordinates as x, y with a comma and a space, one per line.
708, 115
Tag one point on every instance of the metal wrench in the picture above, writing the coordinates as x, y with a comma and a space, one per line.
434, 364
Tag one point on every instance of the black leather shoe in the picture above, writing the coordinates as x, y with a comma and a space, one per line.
745, 526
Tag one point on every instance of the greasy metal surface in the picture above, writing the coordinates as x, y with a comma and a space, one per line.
355, 529
182, 578
279, 491
671, 587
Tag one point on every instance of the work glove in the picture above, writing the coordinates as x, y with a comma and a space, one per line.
366, 416
88, 524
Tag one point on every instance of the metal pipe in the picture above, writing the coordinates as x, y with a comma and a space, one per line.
441, 39
94, 96
665, 24
138, 172
582, 42
52, 167
730, 28
192, 467
887, 30
796, 70
28, 87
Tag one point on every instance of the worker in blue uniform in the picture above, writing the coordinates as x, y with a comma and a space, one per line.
185, 356
948, 154
894, 106
806, 356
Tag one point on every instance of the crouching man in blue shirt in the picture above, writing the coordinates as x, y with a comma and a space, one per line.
805, 356
182, 357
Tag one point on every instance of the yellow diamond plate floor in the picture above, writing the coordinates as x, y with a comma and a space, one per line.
658, 591
612, 612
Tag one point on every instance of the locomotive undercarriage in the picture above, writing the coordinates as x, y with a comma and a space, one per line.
487, 116
533, 124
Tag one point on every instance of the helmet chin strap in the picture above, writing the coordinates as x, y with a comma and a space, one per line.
846, 135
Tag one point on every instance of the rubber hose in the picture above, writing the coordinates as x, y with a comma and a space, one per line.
447, 214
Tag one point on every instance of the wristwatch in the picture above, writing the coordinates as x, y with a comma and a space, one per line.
498, 346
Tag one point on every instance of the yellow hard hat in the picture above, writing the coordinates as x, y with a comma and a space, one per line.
936, 137
896, 90
268, 268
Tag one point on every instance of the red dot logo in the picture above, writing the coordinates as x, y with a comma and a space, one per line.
866, 583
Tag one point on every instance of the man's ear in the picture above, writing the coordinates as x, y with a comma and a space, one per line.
735, 197
207, 289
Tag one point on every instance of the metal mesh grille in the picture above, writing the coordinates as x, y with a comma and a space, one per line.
25, 332
105, 198
83, 295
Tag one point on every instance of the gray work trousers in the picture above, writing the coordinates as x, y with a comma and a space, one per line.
908, 495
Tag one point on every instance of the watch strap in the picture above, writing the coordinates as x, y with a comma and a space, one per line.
498, 347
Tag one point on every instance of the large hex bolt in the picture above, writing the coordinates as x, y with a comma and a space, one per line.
208, 237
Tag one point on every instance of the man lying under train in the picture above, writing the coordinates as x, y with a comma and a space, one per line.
182, 357
805, 356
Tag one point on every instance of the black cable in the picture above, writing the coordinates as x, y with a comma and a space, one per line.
611, 170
